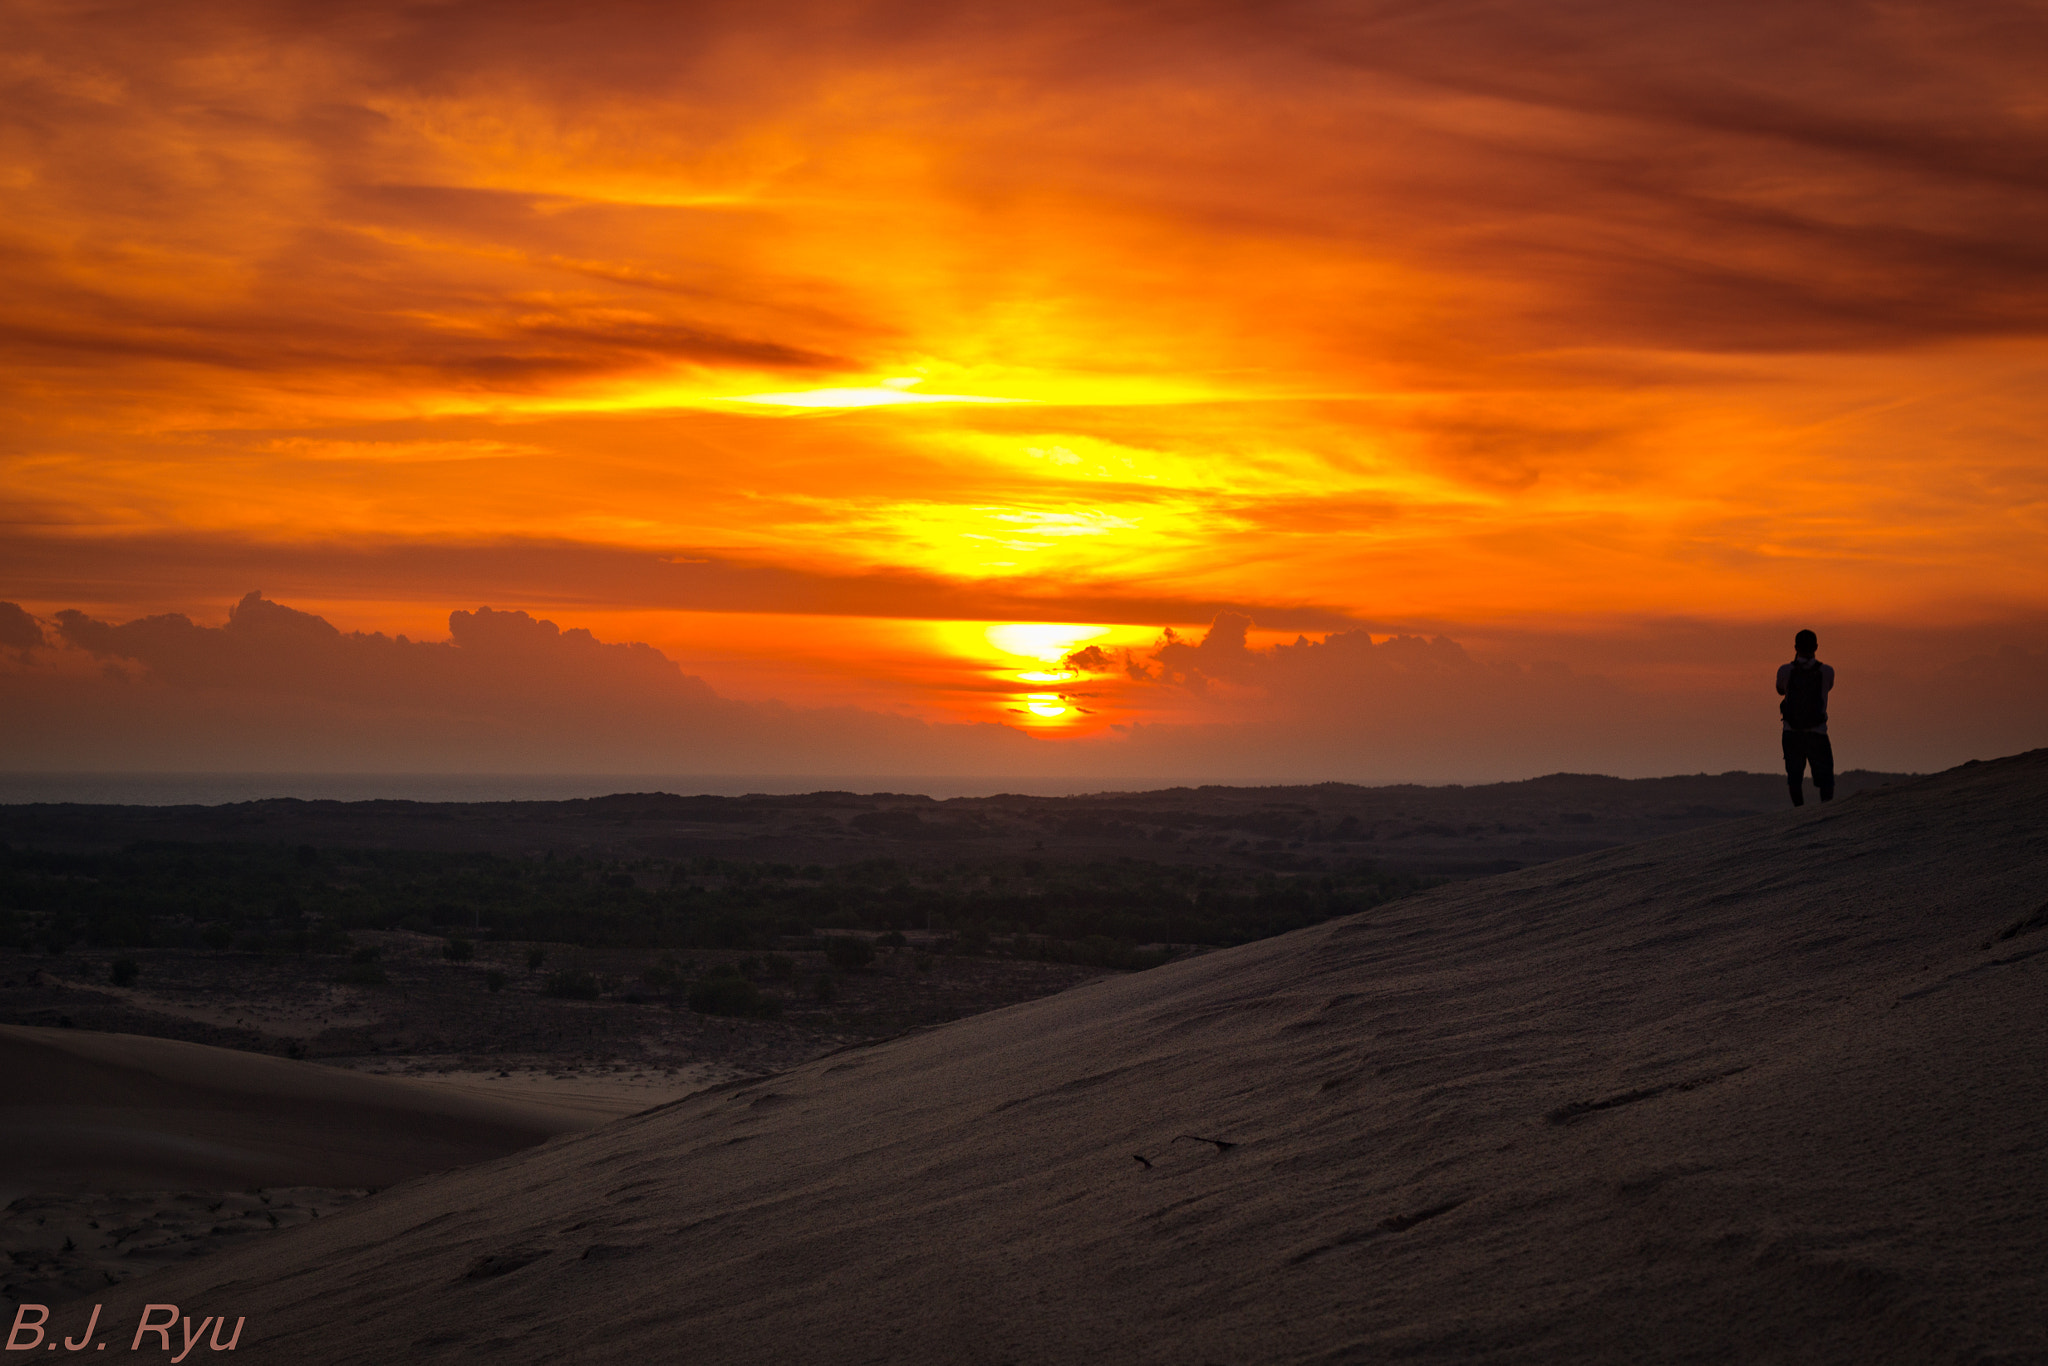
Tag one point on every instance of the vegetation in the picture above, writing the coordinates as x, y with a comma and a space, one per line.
723, 991
273, 899
573, 985
849, 951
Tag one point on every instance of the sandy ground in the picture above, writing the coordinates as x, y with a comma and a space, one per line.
86, 1112
1766, 1091
191, 1141
60, 1246
601, 1092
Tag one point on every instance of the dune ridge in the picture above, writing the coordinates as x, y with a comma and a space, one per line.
84, 1111
1766, 1091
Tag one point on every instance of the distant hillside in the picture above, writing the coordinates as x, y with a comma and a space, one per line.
1440, 831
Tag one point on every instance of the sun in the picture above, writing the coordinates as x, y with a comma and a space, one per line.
1046, 643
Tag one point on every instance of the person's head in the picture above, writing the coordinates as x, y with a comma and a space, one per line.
1804, 644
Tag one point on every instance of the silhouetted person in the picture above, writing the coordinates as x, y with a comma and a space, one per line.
1805, 684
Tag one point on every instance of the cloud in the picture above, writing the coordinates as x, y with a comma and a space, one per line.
1369, 315
495, 665
275, 687
1663, 698
377, 195
1340, 660
695, 579
278, 689
19, 630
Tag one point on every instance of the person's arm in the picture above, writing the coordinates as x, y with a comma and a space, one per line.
1783, 670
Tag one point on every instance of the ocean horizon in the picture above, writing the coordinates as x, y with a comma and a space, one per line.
220, 789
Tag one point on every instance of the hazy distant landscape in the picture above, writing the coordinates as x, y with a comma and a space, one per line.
631, 898
641, 893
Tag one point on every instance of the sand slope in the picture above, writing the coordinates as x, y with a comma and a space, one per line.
1769, 1091
81, 1111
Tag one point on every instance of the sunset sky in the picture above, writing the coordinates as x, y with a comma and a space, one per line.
1472, 390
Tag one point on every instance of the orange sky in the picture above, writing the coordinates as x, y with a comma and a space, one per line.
811, 343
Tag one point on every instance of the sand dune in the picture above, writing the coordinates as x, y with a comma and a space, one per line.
113, 1112
1769, 1091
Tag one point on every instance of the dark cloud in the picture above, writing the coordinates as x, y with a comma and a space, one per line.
1664, 697
1341, 659
18, 630
1737, 175
494, 663
1731, 175
659, 341
279, 688
697, 580
310, 334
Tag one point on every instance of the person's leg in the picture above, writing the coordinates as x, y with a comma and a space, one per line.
1795, 766
1823, 755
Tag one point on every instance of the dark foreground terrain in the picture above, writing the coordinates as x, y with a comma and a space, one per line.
621, 952
1769, 1089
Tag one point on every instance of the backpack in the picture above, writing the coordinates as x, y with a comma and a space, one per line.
1806, 697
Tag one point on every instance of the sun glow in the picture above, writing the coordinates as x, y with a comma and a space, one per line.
1046, 641
1047, 704
860, 398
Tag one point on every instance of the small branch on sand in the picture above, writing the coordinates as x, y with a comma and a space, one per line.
1223, 1145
